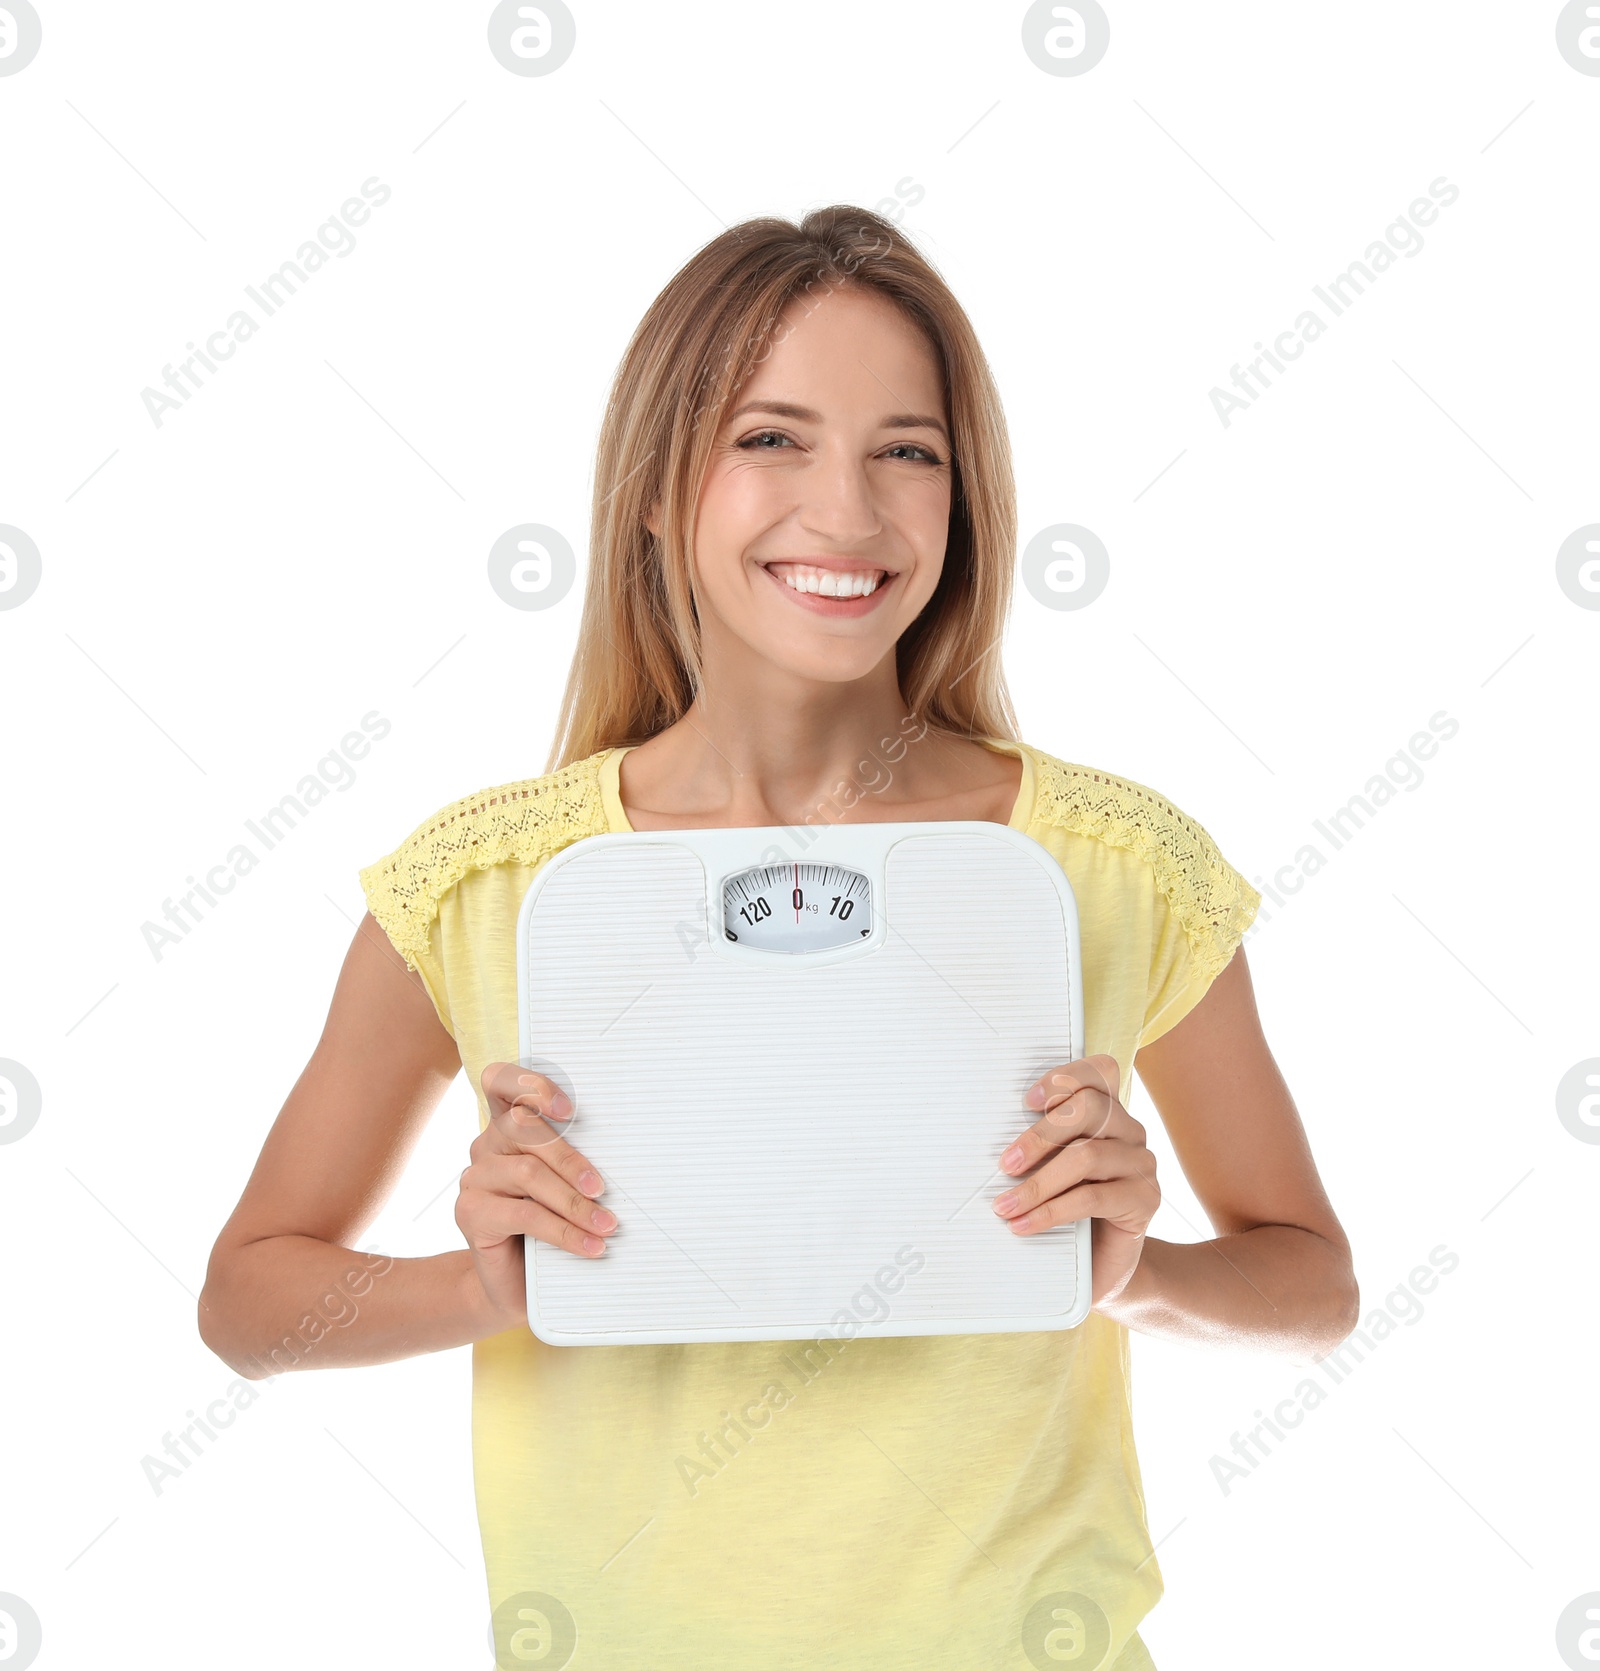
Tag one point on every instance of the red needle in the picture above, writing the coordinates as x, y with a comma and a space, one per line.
797, 892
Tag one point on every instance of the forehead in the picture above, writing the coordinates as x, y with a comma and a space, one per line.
853, 342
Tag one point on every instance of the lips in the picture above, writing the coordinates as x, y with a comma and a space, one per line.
844, 581
845, 597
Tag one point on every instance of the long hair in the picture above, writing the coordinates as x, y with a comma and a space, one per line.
637, 665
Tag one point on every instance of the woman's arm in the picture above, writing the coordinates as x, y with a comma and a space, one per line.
1278, 1274
284, 1288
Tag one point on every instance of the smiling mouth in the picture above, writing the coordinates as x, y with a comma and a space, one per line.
828, 582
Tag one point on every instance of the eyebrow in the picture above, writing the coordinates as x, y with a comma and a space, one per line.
805, 415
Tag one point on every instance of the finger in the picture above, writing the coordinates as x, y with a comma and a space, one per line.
527, 1177
1129, 1202
1097, 1073
1086, 1113
519, 1131
1083, 1160
520, 1128
507, 1083
492, 1218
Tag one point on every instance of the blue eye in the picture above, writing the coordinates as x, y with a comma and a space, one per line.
917, 447
750, 444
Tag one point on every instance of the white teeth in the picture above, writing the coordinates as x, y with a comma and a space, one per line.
829, 583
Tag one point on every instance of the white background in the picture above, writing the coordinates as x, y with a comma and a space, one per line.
223, 597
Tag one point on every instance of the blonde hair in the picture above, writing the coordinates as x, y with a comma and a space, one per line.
637, 665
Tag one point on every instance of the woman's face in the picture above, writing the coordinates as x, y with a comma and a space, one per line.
826, 505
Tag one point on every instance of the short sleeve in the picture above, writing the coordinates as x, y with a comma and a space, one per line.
393, 890
498, 837
1202, 908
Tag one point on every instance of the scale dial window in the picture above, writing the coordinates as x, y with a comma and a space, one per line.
797, 907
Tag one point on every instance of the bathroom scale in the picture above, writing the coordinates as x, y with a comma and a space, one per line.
796, 1055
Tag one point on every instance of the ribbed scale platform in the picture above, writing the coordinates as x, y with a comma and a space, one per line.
774, 1129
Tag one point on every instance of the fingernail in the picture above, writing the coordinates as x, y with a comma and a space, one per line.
1012, 1158
592, 1244
1036, 1096
589, 1181
602, 1218
1004, 1203
527, 1081
561, 1105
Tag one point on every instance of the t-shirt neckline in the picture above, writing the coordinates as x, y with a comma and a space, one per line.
617, 818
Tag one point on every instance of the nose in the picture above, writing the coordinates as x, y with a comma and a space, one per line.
837, 503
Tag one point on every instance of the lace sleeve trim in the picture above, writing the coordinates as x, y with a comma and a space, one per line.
523, 822
1210, 899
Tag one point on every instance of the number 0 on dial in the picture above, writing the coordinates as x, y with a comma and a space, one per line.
796, 907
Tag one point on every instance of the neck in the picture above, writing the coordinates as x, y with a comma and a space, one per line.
762, 744
755, 759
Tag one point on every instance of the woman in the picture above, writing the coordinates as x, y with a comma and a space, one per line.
802, 549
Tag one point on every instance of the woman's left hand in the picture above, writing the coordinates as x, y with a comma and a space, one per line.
1094, 1165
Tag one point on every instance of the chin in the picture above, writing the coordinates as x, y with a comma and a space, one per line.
825, 663
825, 670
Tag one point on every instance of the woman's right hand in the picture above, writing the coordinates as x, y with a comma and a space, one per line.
526, 1180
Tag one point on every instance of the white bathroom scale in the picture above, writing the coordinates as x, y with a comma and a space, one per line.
796, 1056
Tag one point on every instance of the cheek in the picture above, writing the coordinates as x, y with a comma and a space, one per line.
925, 582
737, 502
735, 508
921, 511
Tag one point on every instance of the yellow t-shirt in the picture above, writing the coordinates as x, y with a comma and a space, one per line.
940, 1502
